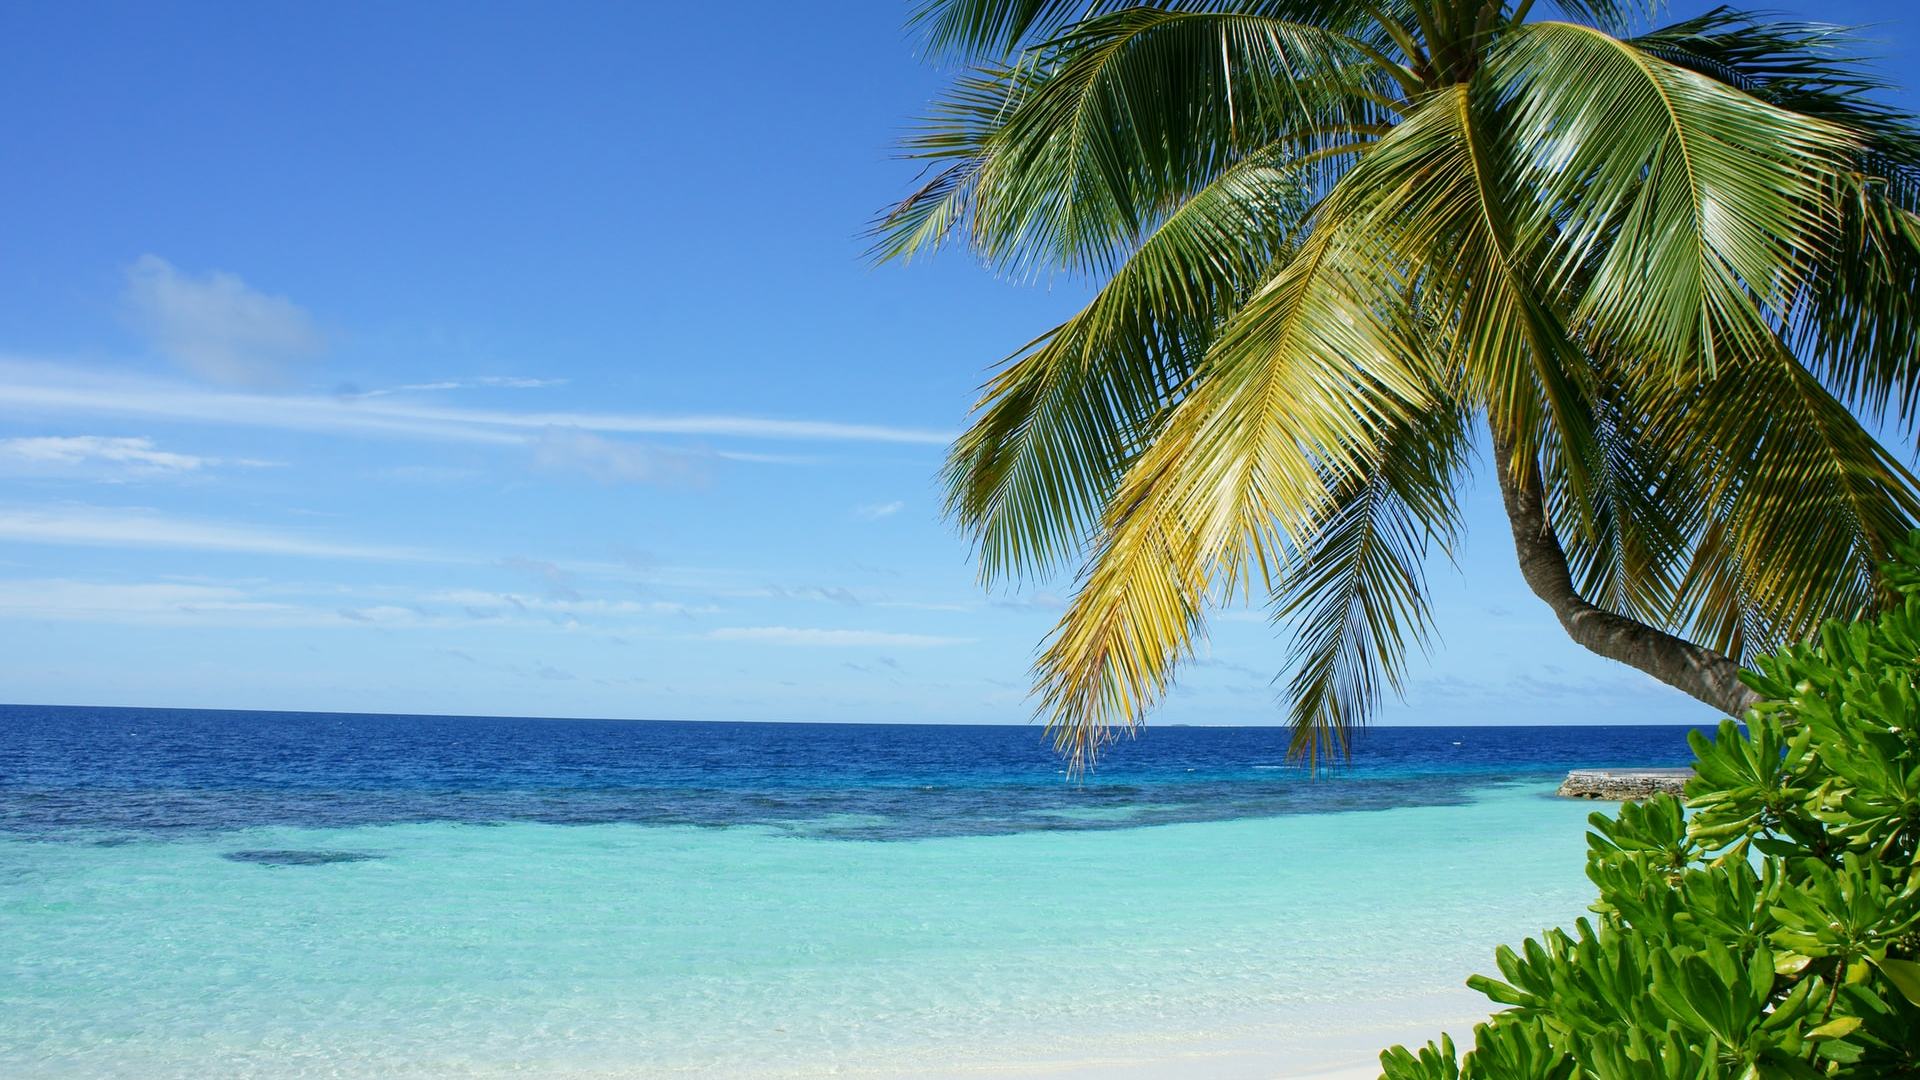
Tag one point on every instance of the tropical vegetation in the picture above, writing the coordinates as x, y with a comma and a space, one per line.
1339, 244
1772, 932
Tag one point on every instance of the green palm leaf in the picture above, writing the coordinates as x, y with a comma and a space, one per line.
1069, 159
1681, 210
1356, 595
1804, 504
1859, 321
1292, 399
1059, 426
999, 27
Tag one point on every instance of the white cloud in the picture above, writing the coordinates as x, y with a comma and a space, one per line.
478, 604
146, 529
786, 635
175, 602
611, 461
769, 459
107, 458
35, 390
875, 513
59, 455
744, 426
47, 389
217, 327
509, 382
145, 603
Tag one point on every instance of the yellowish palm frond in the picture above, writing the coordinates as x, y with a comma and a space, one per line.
1292, 399
1058, 427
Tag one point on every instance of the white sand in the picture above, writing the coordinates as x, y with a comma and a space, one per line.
1326, 1043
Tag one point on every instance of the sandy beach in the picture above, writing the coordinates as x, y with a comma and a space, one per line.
1320, 1044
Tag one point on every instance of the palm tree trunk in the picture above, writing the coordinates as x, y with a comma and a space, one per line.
1694, 670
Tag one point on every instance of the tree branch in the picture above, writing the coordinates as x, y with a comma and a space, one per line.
1694, 670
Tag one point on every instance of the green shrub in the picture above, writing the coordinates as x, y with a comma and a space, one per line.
1773, 930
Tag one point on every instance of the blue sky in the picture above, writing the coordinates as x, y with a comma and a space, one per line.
524, 360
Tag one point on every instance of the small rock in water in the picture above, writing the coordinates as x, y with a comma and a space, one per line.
295, 857
1624, 785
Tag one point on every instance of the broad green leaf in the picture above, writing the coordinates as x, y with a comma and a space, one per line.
1904, 975
1836, 1029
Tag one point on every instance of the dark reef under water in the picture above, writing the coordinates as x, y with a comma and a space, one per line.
296, 857
114, 774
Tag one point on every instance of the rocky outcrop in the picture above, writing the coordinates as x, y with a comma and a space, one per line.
1624, 785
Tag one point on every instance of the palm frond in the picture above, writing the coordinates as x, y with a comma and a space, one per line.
999, 28
1858, 321
1607, 495
955, 139
1066, 160
1627, 537
1453, 223
1800, 503
1814, 69
1355, 595
1681, 211
1293, 398
1615, 17
1057, 428
991, 27
1512, 344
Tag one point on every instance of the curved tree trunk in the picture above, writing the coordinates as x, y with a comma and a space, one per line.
1699, 672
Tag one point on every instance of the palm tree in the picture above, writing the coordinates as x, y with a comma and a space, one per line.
1335, 237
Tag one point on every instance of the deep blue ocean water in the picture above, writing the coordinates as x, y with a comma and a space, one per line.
106, 773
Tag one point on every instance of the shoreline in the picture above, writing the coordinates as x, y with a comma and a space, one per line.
1322, 1040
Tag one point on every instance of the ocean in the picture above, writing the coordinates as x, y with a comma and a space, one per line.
190, 893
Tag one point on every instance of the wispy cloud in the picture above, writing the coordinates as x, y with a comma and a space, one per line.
139, 528
611, 461
78, 449
46, 389
173, 603
38, 390
97, 457
508, 382
875, 513
487, 605
261, 603
217, 327
787, 635
143, 603
834, 595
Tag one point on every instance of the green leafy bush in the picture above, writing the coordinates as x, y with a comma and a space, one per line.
1772, 929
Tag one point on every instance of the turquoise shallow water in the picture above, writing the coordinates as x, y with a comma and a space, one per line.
527, 949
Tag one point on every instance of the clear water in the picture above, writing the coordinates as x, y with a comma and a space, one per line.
191, 894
